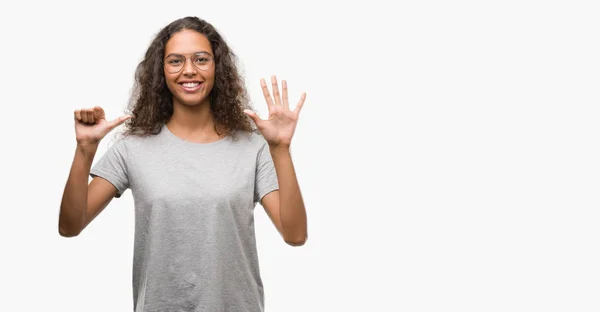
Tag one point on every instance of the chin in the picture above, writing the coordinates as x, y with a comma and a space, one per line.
191, 101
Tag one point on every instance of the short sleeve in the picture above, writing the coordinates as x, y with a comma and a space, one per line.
266, 177
112, 166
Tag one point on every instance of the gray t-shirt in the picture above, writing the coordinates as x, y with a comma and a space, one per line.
194, 247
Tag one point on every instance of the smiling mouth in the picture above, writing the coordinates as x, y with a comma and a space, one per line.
190, 86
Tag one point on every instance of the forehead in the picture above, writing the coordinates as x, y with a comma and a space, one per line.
187, 41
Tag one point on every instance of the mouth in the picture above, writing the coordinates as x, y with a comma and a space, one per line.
191, 86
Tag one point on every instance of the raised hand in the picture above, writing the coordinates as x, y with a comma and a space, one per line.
91, 125
279, 128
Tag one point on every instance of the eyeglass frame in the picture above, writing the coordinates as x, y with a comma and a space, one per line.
185, 58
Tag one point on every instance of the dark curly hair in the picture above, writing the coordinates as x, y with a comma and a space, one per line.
151, 102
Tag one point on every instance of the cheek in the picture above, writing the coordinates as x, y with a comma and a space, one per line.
211, 80
169, 78
170, 81
210, 75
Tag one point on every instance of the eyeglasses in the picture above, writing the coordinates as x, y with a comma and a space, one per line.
175, 62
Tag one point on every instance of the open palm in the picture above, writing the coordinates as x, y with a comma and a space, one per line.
279, 128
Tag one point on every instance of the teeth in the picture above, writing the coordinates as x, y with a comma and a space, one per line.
190, 84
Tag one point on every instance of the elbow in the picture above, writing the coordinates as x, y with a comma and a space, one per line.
68, 234
67, 231
296, 241
69, 227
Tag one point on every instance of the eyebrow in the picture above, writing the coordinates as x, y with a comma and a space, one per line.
195, 53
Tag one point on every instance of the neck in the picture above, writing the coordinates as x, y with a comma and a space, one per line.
194, 122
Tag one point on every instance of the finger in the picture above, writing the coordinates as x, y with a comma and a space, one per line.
98, 113
266, 93
84, 115
300, 104
275, 88
78, 114
119, 121
286, 104
253, 116
90, 115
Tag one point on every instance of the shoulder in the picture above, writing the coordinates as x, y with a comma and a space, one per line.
123, 142
252, 139
250, 144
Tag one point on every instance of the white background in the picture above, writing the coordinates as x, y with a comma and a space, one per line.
447, 151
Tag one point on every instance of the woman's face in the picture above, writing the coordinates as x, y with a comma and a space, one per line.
189, 67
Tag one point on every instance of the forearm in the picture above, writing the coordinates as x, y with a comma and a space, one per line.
74, 201
291, 204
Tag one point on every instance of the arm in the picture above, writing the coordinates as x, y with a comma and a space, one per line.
285, 207
81, 202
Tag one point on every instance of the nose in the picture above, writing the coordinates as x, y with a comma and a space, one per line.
189, 69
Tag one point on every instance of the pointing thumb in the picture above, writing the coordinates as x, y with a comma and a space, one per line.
117, 122
252, 115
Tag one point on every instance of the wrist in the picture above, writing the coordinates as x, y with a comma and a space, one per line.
280, 152
87, 147
279, 148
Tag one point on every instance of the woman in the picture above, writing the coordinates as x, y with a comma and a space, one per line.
196, 169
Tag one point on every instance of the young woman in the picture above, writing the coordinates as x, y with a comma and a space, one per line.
196, 167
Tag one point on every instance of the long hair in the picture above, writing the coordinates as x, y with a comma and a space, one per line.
151, 102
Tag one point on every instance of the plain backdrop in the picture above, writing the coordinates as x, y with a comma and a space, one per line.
447, 150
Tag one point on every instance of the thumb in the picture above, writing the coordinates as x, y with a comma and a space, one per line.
98, 113
117, 122
253, 116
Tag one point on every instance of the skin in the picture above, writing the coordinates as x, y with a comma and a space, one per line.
187, 42
191, 120
286, 206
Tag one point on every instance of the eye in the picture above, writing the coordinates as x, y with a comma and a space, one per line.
174, 61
